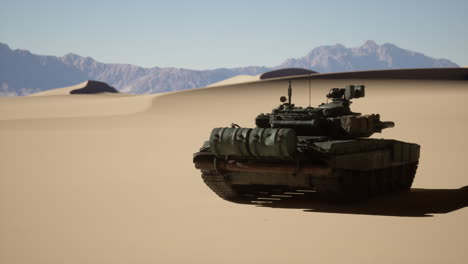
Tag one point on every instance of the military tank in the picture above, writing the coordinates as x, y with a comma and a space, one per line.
324, 149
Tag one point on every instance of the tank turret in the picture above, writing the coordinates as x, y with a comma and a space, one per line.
332, 119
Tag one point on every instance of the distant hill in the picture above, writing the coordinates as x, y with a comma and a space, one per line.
23, 73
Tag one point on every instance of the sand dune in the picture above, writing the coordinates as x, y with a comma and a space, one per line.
109, 179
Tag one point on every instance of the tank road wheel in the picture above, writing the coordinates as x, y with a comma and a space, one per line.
220, 185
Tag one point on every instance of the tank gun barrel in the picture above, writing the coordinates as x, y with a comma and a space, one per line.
385, 124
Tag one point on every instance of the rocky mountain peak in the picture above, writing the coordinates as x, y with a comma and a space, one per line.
369, 45
369, 56
4, 47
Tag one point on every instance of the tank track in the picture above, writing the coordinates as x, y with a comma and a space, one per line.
220, 185
243, 194
343, 184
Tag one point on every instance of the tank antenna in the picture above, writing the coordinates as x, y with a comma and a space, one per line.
309, 92
289, 92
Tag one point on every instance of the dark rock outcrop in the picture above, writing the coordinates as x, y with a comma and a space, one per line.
94, 87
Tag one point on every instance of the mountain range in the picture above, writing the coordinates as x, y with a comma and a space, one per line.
23, 73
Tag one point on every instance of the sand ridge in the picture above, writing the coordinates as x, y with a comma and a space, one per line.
59, 105
236, 80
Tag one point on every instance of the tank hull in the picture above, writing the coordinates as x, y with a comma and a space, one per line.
347, 169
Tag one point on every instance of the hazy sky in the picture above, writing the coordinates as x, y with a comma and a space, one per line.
211, 34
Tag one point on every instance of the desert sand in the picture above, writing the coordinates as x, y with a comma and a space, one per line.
109, 178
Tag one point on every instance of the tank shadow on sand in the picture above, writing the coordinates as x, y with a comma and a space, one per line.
416, 203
